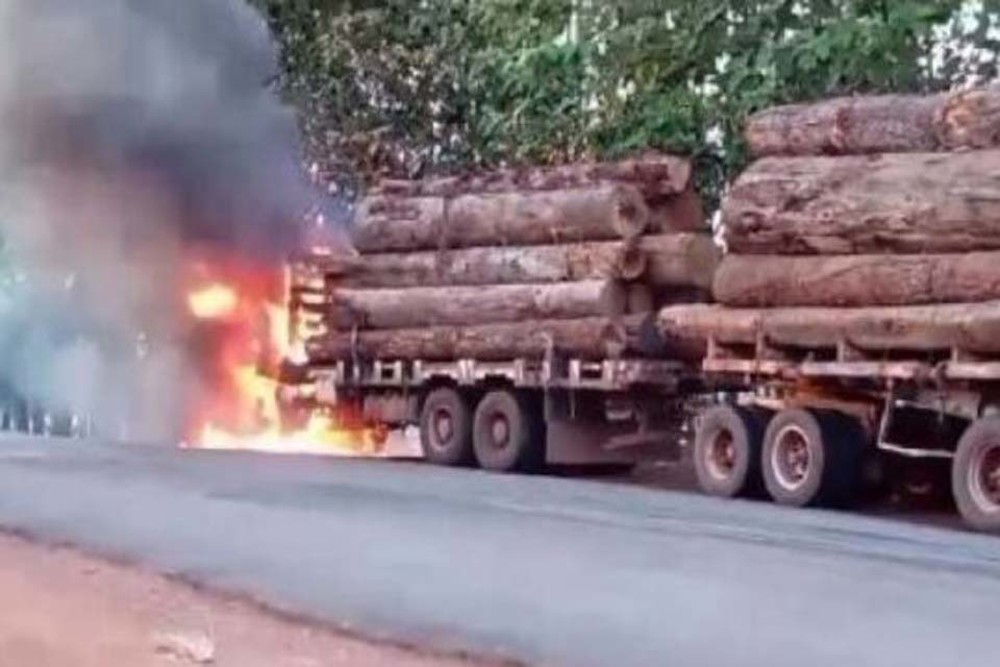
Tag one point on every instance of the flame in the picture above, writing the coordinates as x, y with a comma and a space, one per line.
213, 302
244, 413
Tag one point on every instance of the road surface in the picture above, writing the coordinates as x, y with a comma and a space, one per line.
66, 609
546, 571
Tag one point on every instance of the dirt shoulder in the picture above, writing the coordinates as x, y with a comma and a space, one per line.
64, 609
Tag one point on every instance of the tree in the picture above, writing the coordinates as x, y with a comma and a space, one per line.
388, 88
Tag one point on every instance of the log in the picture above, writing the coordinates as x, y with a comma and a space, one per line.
657, 176
970, 119
921, 202
972, 327
847, 125
680, 260
454, 306
683, 213
665, 260
593, 338
499, 265
857, 280
879, 124
312, 272
558, 216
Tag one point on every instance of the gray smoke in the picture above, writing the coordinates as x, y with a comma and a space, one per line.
133, 133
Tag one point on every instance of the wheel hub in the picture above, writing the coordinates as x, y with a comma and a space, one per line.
985, 478
444, 426
790, 459
722, 455
500, 431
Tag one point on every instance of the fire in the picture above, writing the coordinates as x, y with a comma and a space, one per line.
216, 301
250, 335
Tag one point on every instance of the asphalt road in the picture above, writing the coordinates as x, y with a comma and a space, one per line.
551, 571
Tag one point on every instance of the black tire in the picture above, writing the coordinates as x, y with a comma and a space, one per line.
813, 458
446, 428
727, 452
975, 475
508, 433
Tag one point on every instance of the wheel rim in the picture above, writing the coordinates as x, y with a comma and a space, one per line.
442, 428
984, 478
499, 431
720, 456
790, 458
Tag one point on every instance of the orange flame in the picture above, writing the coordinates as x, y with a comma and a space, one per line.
247, 415
214, 302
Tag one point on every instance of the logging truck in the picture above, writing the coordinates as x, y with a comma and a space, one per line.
820, 404
505, 397
807, 407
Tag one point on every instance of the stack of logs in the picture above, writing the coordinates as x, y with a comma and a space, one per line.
871, 223
518, 263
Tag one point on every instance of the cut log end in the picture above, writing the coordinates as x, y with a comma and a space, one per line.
631, 262
632, 217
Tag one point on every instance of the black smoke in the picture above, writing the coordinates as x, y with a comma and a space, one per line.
134, 135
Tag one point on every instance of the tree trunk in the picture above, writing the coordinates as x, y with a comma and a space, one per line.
557, 216
499, 265
922, 202
674, 259
594, 338
969, 327
680, 260
847, 125
655, 176
455, 306
313, 272
879, 124
683, 213
857, 280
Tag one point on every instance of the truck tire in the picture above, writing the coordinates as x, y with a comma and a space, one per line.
975, 475
446, 428
727, 451
813, 458
508, 433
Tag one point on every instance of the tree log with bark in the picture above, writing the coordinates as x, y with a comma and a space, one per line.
558, 216
594, 338
656, 176
971, 327
456, 306
857, 280
663, 260
921, 202
879, 124
683, 213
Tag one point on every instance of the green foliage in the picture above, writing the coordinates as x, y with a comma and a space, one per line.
406, 87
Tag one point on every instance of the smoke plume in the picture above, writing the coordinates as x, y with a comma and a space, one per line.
136, 136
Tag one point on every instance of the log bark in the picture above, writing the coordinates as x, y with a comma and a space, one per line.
594, 338
847, 125
857, 280
455, 306
970, 327
921, 202
663, 260
656, 176
499, 265
313, 272
558, 216
680, 260
879, 124
683, 213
